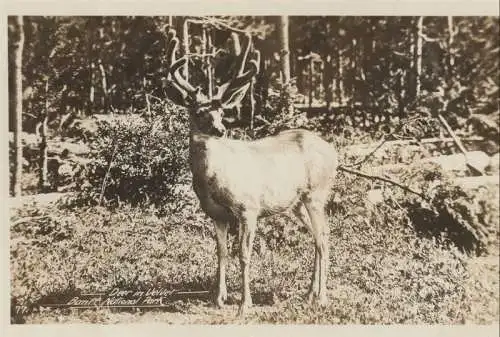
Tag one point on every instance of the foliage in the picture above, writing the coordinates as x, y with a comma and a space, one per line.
376, 54
464, 218
138, 160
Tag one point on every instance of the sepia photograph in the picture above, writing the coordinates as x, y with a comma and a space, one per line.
232, 169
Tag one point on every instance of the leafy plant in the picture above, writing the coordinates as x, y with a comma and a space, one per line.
138, 160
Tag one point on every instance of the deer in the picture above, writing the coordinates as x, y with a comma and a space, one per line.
238, 182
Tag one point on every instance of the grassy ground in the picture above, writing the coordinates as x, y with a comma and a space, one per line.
381, 270
385, 265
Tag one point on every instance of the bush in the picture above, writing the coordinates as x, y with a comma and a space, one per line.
138, 159
452, 215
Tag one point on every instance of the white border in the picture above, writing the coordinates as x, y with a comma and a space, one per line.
228, 7
253, 7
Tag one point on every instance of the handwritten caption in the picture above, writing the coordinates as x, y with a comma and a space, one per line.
153, 297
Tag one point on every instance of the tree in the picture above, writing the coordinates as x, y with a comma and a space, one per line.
17, 100
43, 181
284, 50
418, 55
285, 63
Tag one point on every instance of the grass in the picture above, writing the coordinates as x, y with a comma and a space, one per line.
395, 262
381, 271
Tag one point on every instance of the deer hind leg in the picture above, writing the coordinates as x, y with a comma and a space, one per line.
301, 213
315, 209
221, 236
248, 225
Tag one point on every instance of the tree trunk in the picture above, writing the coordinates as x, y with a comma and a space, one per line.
413, 60
92, 88
311, 84
284, 50
285, 62
366, 69
104, 83
401, 95
252, 103
418, 56
451, 57
43, 181
185, 44
91, 52
327, 83
340, 75
353, 72
321, 86
18, 104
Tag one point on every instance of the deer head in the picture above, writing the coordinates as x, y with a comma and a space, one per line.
207, 113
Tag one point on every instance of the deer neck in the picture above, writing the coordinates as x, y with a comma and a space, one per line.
196, 135
197, 145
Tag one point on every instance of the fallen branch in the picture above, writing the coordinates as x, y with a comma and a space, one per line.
384, 179
28, 219
459, 144
459, 162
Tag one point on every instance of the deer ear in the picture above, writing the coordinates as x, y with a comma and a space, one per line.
235, 97
221, 89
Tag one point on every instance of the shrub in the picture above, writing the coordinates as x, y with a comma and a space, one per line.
138, 159
467, 219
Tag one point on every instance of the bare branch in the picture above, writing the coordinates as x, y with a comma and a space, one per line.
384, 179
103, 187
459, 144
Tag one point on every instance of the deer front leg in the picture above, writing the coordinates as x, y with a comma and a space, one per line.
248, 224
301, 213
314, 288
320, 233
221, 236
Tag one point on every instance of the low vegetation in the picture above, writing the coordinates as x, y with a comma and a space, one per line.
403, 260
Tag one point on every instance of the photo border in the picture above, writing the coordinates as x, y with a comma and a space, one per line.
212, 7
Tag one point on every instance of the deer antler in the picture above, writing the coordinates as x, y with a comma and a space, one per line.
179, 90
232, 92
